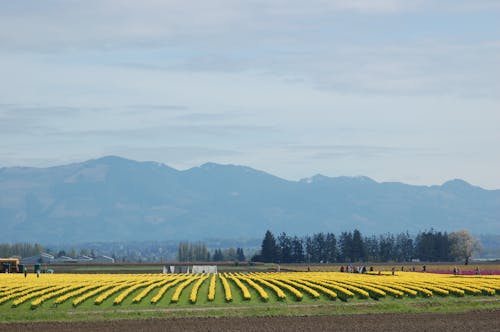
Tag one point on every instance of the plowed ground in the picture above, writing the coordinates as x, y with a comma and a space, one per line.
470, 321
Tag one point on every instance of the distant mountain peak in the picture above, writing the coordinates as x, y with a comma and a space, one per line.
211, 165
357, 178
111, 158
109, 161
315, 178
457, 184
117, 160
215, 166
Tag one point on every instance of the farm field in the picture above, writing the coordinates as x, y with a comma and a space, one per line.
441, 268
483, 320
76, 296
152, 268
134, 268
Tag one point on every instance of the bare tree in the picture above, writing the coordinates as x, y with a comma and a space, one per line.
463, 245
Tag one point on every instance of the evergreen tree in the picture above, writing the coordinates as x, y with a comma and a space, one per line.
357, 247
345, 244
432, 246
404, 247
297, 250
269, 249
285, 248
386, 247
443, 246
240, 255
217, 256
372, 249
331, 247
424, 246
319, 248
309, 249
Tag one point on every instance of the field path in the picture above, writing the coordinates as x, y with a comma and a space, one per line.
470, 321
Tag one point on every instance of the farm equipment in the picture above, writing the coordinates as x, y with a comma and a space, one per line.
9, 265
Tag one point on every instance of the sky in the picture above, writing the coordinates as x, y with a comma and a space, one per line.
395, 90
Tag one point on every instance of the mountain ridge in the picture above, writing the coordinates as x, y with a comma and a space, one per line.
113, 198
208, 165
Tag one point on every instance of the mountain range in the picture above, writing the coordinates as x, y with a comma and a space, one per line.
116, 199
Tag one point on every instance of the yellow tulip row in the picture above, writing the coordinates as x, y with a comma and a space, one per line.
342, 292
88, 295
408, 284
148, 289
211, 287
321, 288
180, 288
396, 289
262, 293
298, 295
143, 283
24, 298
352, 288
166, 287
74, 293
482, 288
227, 289
20, 292
244, 290
194, 291
36, 303
372, 291
79, 288
111, 291
278, 291
305, 288
6, 290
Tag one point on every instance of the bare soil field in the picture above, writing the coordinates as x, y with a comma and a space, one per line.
469, 321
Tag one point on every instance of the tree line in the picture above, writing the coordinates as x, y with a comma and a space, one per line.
20, 249
429, 246
198, 251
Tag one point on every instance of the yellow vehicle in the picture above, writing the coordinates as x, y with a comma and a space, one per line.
9, 265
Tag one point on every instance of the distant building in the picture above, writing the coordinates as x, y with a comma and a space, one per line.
102, 259
84, 258
64, 259
181, 269
42, 258
204, 269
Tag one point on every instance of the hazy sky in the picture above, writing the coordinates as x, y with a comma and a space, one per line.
396, 90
